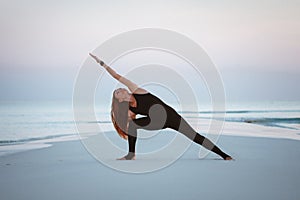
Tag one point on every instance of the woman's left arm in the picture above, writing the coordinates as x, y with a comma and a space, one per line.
131, 86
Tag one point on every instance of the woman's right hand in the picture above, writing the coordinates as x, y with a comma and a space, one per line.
97, 59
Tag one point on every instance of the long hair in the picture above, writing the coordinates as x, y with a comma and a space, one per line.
119, 116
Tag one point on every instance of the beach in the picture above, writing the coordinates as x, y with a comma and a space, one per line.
42, 156
264, 168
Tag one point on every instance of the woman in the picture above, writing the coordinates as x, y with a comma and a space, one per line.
158, 115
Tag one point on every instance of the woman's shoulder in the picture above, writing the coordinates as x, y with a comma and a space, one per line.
140, 91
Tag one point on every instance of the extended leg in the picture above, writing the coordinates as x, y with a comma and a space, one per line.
180, 125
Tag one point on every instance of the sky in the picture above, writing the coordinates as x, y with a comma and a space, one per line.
254, 44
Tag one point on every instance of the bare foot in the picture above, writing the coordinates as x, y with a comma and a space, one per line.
123, 158
127, 158
228, 158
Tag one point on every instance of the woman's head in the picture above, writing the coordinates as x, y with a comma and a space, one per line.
121, 94
119, 111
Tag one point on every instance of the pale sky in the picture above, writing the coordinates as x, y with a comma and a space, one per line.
255, 44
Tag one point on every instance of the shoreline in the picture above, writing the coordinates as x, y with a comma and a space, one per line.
229, 129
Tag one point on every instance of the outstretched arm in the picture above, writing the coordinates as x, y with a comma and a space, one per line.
131, 86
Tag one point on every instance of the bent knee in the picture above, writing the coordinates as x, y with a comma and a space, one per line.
131, 124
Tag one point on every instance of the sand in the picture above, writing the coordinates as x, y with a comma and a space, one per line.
265, 168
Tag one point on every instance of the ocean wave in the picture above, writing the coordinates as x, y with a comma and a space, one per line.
25, 140
274, 122
57, 122
239, 111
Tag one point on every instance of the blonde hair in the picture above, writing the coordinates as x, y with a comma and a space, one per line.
119, 116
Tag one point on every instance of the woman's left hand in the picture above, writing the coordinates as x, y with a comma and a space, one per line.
97, 59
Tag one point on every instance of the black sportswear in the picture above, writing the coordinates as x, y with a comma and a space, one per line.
159, 115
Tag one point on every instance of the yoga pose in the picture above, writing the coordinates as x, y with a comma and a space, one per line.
157, 115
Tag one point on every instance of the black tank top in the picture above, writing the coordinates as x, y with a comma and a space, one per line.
144, 103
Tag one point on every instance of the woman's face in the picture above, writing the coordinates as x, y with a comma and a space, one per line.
120, 94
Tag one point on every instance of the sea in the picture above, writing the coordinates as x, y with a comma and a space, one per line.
24, 122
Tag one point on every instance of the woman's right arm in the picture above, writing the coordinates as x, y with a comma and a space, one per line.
131, 86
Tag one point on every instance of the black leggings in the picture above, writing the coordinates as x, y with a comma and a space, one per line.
174, 121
